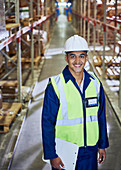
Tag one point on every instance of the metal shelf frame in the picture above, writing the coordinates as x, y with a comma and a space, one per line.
17, 38
93, 22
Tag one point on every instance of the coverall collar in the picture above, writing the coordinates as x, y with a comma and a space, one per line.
68, 76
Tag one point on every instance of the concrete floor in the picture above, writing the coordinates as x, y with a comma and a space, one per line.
28, 155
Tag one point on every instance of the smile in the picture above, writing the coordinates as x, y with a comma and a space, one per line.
77, 65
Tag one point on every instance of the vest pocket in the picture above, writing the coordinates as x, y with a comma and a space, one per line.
92, 133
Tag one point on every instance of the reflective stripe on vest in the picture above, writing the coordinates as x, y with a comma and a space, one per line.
76, 121
63, 101
96, 84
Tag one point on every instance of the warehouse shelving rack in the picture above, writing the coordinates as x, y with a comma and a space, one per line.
79, 13
17, 37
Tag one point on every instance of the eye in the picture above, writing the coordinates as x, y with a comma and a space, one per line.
72, 56
82, 56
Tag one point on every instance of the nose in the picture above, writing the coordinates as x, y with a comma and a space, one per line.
78, 60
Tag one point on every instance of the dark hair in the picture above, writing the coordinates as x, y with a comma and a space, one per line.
72, 51
68, 52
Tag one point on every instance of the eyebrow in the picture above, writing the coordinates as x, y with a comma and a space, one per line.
72, 54
79, 54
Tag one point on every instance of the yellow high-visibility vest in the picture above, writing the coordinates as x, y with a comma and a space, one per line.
70, 117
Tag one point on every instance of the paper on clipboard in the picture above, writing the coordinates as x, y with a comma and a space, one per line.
68, 152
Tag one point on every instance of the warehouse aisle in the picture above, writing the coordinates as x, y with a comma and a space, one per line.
29, 150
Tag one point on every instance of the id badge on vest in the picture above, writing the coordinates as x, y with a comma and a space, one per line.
91, 102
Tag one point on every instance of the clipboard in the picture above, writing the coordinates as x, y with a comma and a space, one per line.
68, 153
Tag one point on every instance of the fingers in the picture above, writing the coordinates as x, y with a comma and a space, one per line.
62, 165
101, 159
102, 156
57, 163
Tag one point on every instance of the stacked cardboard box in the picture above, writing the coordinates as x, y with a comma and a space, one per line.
23, 3
9, 89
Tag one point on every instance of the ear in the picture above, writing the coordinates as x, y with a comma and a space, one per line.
87, 58
66, 58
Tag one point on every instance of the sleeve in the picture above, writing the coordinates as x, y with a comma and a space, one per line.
49, 114
103, 139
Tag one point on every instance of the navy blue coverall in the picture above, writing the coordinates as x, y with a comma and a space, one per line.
87, 156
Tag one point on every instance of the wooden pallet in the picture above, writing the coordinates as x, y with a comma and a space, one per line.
113, 73
97, 61
8, 115
109, 60
99, 70
14, 58
12, 26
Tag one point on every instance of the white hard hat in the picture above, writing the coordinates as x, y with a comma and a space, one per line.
76, 43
